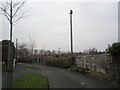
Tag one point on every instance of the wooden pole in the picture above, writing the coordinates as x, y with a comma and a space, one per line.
71, 37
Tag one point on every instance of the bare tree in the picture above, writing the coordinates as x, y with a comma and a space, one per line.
92, 50
10, 10
31, 45
23, 50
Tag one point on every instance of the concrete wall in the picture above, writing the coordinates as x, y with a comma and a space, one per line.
99, 62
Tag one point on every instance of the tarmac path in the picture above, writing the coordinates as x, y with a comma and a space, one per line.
62, 78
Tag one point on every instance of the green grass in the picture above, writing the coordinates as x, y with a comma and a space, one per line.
102, 76
30, 80
30, 67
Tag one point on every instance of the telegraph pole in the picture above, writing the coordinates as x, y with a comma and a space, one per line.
71, 12
71, 36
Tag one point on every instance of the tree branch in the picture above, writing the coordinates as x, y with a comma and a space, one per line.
18, 8
5, 13
15, 4
6, 16
7, 3
18, 18
4, 9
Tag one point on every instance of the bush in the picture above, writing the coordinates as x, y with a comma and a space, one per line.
81, 70
61, 62
114, 49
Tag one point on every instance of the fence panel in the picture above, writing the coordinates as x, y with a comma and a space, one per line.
99, 62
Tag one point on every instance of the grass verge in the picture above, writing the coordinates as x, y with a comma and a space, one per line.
30, 80
101, 76
30, 67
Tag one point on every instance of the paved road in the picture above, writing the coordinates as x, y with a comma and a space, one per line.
61, 78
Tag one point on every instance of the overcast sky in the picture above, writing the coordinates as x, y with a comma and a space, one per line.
95, 24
